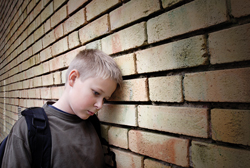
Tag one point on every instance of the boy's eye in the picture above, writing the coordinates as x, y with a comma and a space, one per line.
96, 93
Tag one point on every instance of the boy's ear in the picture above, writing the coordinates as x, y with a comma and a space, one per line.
73, 75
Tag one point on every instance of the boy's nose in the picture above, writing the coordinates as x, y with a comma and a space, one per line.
99, 104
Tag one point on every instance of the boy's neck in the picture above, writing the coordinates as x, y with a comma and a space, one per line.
62, 104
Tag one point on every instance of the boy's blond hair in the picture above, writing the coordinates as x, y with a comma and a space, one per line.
95, 63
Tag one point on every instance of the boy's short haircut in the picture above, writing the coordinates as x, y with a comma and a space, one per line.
95, 63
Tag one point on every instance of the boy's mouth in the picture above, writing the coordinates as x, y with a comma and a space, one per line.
90, 113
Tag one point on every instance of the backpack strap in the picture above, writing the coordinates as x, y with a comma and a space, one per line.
39, 137
2, 149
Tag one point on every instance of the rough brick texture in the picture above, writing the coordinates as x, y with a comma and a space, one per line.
94, 29
74, 4
119, 114
218, 86
181, 120
127, 159
139, 8
181, 54
209, 155
231, 126
151, 144
190, 17
126, 64
95, 7
59, 16
125, 39
170, 89
137, 91
152, 164
240, 7
74, 21
118, 137
230, 45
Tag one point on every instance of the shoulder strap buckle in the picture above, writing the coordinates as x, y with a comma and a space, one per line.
38, 121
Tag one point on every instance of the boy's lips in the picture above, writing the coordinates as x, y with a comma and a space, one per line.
91, 113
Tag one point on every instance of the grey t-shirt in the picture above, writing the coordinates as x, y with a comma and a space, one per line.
74, 143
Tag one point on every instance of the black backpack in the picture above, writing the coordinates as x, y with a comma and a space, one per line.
40, 137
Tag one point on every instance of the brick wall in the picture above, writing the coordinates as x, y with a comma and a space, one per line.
186, 67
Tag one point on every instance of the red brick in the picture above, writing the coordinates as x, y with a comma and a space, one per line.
230, 45
126, 159
170, 89
240, 8
118, 137
95, 7
185, 53
210, 155
161, 147
180, 120
74, 4
132, 90
230, 125
94, 29
60, 46
218, 86
119, 114
128, 38
187, 18
75, 21
59, 16
131, 11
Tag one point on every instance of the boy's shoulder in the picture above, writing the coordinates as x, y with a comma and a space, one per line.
20, 129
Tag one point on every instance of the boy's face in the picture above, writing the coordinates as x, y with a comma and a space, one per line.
87, 97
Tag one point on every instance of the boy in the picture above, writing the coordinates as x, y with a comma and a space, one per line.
91, 78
